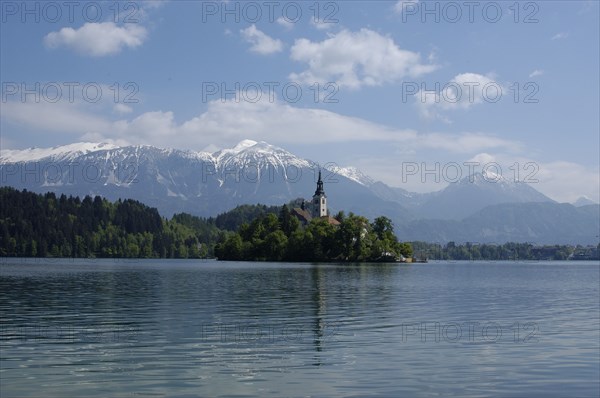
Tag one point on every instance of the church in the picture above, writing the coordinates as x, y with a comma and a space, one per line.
317, 208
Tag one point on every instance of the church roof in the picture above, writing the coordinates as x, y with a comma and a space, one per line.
303, 215
331, 220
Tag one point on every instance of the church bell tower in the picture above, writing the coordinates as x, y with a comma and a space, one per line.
319, 200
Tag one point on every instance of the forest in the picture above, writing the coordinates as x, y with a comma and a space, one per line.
509, 251
35, 225
44, 225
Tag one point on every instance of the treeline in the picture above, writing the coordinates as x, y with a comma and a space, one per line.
34, 225
233, 219
507, 251
44, 225
271, 237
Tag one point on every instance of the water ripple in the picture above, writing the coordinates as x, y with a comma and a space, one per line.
174, 328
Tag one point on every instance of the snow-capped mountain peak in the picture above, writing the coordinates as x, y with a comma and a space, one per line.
584, 201
490, 176
63, 152
353, 174
258, 154
228, 152
244, 144
484, 178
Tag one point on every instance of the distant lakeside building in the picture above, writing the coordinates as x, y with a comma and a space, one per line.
317, 208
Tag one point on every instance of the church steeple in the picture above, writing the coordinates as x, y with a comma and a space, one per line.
319, 202
319, 190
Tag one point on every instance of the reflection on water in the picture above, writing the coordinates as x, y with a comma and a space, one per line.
184, 328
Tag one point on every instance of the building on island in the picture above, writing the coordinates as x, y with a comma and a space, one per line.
317, 208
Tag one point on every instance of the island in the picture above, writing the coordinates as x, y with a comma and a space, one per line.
309, 233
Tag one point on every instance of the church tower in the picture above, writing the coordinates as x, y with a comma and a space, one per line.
319, 200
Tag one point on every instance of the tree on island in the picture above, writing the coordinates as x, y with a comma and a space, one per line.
282, 238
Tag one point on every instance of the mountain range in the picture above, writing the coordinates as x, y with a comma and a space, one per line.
478, 208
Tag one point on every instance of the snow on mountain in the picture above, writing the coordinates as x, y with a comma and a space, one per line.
207, 184
584, 201
353, 174
175, 169
259, 155
244, 144
64, 152
492, 182
225, 153
475, 192
246, 151
246, 154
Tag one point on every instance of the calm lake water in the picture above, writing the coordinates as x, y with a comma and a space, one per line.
201, 328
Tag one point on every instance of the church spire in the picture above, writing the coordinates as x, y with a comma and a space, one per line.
319, 202
319, 190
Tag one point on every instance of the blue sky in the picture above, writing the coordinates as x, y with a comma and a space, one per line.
368, 84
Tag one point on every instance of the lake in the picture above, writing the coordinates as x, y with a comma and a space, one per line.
118, 328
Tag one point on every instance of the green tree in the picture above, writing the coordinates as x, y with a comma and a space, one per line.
231, 248
405, 249
353, 238
32, 248
275, 245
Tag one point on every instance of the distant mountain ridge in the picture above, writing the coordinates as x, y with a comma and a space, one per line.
205, 184
56, 153
584, 201
200, 183
539, 223
475, 193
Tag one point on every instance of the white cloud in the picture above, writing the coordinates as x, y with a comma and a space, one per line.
7, 143
98, 39
483, 158
567, 181
60, 117
466, 142
122, 109
432, 57
560, 35
285, 23
321, 24
261, 43
562, 181
537, 72
228, 122
225, 123
355, 59
462, 92
401, 5
99, 138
